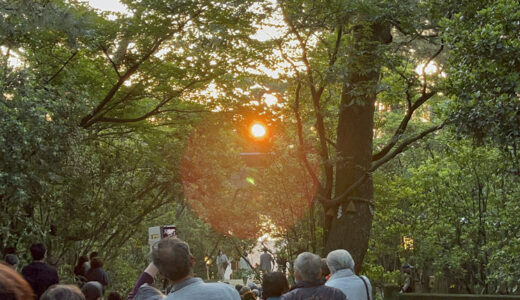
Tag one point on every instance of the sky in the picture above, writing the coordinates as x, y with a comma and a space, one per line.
107, 5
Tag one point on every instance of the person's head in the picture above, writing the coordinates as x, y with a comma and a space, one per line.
244, 290
173, 258
82, 259
93, 254
147, 292
63, 292
12, 285
238, 287
406, 268
274, 284
92, 290
252, 285
324, 268
307, 267
340, 259
245, 254
37, 251
114, 296
249, 296
12, 260
96, 263
265, 250
219, 252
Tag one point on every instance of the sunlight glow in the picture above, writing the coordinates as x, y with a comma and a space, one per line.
269, 99
109, 5
258, 130
430, 69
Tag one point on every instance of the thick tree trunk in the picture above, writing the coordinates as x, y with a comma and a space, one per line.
355, 130
349, 229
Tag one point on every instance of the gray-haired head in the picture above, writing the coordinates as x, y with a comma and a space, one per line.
173, 258
61, 291
340, 259
308, 265
92, 290
147, 292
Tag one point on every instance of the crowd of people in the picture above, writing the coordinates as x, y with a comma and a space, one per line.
330, 278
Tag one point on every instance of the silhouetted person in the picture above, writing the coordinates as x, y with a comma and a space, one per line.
274, 285
80, 270
39, 274
96, 272
266, 261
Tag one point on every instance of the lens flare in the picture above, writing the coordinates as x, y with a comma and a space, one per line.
236, 199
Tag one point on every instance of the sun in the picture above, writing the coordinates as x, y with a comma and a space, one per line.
258, 130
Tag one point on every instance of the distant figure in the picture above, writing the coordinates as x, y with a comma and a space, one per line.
39, 274
409, 282
91, 256
266, 261
96, 272
12, 285
92, 290
63, 292
173, 258
245, 267
307, 274
341, 266
12, 260
222, 264
81, 269
274, 285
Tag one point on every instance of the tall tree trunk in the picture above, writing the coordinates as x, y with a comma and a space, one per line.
350, 230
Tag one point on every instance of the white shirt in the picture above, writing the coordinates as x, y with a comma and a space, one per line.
350, 284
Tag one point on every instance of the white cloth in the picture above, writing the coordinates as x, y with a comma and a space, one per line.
227, 273
350, 284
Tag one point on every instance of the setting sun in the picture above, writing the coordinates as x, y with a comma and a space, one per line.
258, 130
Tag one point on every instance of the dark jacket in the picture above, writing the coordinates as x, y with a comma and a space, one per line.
313, 291
99, 275
40, 276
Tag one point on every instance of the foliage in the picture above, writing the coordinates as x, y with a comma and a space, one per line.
484, 69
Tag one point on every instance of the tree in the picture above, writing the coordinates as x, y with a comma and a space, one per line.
344, 51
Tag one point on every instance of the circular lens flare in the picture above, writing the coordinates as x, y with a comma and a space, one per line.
258, 130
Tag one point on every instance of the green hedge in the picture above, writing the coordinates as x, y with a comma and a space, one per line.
413, 296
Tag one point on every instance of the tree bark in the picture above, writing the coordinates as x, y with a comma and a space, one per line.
350, 230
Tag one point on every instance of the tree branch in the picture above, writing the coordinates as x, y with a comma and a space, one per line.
154, 111
426, 65
343, 197
62, 67
111, 61
403, 125
300, 136
90, 119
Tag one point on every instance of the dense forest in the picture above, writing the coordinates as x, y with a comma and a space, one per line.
394, 129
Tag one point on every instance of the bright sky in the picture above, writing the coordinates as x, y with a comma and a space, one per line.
107, 5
